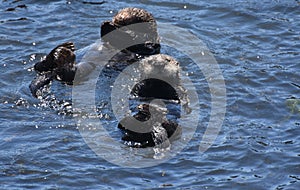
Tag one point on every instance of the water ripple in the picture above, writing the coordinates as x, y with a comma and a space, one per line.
256, 44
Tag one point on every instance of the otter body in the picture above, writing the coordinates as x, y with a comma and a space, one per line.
60, 63
160, 73
149, 127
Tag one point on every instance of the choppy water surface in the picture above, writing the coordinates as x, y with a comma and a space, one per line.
257, 46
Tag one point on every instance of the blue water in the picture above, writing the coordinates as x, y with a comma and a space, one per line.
257, 47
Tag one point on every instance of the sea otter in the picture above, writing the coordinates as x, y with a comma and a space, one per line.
160, 78
60, 62
149, 127
160, 73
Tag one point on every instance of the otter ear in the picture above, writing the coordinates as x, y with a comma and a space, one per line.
106, 27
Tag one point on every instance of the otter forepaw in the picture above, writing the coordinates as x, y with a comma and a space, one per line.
53, 58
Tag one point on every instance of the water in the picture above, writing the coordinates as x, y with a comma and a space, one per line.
256, 44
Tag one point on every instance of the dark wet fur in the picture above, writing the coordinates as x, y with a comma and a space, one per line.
40, 81
121, 40
155, 88
169, 129
52, 59
59, 64
132, 34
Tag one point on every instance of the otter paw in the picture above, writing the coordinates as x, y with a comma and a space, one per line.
52, 59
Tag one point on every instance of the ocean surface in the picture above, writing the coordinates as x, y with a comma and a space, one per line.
256, 47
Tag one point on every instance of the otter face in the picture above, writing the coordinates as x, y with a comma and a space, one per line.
162, 67
127, 30
160, 78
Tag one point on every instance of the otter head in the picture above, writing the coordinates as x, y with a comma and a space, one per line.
160, 78
133, 29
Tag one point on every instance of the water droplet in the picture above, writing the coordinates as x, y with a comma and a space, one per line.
32, 57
